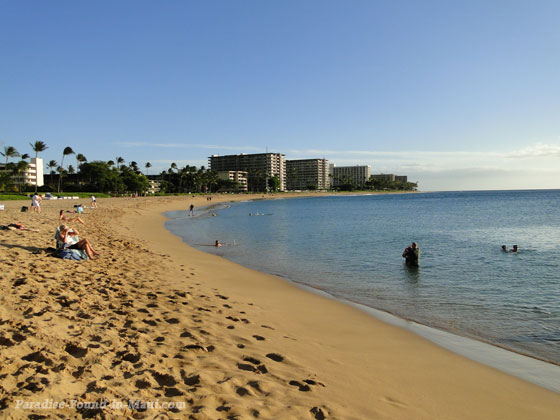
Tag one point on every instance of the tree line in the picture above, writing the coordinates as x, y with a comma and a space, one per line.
112, 176
379, 184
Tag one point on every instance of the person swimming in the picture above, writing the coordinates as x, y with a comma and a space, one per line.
217, 244
504, 248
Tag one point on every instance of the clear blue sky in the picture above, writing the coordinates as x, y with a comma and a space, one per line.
458, 95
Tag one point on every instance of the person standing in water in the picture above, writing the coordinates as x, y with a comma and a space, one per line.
412, 255
191, 210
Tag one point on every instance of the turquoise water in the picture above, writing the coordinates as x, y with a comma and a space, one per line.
351, 246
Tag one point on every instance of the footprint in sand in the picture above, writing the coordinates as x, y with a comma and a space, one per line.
318, 413
242, 391
251, 368
301, 387
163, 379
254, 366
276, 357
192, 380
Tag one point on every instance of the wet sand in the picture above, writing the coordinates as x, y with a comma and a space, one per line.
155, 320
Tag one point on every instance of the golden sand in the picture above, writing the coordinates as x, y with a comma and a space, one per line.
154, 320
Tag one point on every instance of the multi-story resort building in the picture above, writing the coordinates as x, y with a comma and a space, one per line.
305, 174
33, 175
354, 175
390, 177
237, 176
260, 168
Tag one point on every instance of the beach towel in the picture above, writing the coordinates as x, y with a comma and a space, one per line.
72, 254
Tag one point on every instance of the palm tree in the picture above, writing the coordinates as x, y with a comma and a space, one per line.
110, 163
52, 165
67, 151
20, 169
10, 152
25, 156
71, 169
134, 166
38, 147
148, 166
80, 159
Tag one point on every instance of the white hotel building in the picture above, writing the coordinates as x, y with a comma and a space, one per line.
34, 172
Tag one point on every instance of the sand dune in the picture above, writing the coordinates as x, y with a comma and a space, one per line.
153, 320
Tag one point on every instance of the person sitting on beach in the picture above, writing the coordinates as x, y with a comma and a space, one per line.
504, 248
63, 218
217, 244
68, 237
36, 203
412, 255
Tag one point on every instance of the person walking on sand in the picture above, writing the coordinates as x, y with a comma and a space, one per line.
93, 202
191, 210
412, 255
36, 202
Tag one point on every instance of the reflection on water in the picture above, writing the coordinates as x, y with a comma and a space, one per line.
412, 273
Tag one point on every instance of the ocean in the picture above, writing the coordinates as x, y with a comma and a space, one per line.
351, 246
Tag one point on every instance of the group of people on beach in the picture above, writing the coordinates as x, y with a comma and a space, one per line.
68, 243
67, 238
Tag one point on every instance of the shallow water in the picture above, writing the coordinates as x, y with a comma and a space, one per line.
351, 246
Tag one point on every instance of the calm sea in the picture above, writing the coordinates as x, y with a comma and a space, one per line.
351, 246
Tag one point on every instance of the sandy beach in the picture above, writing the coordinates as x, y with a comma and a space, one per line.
156, 322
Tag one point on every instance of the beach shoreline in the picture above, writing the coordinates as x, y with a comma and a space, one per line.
520, 371
275, 349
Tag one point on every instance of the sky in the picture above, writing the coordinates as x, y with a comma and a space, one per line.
456, 95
